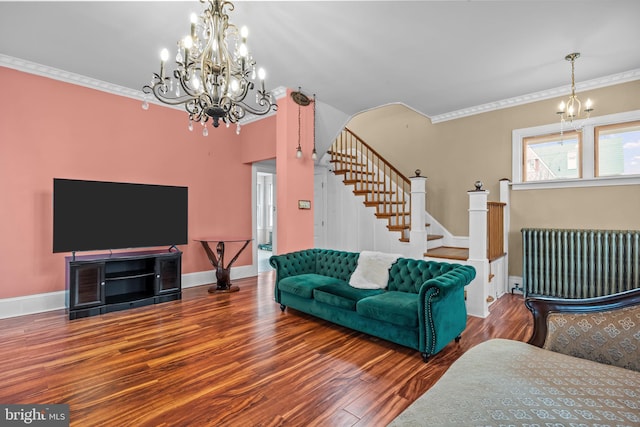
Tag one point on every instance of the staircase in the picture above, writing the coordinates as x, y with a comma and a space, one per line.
391, 195
382, 185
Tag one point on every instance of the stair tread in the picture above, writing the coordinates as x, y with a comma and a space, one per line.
397, 227
430, 237
391, 214
364, 181
363, 192
350, 163
448, 252
338, 154
381, 202
343, 171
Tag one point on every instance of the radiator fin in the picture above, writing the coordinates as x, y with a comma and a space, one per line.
580, 263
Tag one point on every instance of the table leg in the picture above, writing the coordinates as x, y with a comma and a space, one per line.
223, 274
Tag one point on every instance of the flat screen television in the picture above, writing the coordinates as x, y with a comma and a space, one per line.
97, 215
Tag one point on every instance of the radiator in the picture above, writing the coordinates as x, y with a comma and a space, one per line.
579, 263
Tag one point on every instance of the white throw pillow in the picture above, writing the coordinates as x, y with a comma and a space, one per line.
372, 271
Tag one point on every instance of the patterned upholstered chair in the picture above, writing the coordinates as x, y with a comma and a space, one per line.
604, 329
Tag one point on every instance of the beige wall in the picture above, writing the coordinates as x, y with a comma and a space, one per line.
456, 153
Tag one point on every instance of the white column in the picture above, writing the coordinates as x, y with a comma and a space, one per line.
418, 232
478, 290
505, 197
478, 224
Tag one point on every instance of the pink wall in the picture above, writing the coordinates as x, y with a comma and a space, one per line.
294, 177
259, 140
54, 129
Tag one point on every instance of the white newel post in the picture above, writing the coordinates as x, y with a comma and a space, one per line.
505, 197
418, 232
478, 290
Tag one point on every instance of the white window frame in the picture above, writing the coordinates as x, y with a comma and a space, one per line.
588, 154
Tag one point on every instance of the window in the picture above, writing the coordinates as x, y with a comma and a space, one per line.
554, 156
618, 149
605, 151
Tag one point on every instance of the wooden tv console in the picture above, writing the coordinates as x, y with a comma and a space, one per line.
98, 284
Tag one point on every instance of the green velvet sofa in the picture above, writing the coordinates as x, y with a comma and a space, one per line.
422, 306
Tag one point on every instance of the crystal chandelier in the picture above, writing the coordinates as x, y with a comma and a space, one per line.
572, 109
214, 72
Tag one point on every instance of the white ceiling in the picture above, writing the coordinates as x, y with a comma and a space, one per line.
436, 57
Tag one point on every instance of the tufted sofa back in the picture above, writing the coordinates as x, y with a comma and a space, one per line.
326, 262
407, 275
337, 264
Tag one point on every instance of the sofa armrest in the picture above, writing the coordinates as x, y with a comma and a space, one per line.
294, 263
603, 329
442, 309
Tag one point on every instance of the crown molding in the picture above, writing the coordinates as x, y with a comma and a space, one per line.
68, 77
280, 91
91, 83
611, 80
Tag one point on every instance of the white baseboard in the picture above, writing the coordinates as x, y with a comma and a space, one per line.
31, 304
40, 303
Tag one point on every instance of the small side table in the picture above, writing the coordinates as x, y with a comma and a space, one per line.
223, 273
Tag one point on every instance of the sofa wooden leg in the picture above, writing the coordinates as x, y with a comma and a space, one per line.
458, 338
425, 357
282, 307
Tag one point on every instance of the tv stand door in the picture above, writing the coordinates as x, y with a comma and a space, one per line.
168, 277
87, 286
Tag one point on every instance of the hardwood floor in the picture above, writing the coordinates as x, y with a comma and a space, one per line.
225, 360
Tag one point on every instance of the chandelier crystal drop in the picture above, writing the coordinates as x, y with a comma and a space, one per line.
572, 109
214, 71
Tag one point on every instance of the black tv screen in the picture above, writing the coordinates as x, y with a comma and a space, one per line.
96, 215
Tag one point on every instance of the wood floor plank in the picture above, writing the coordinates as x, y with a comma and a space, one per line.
225, 360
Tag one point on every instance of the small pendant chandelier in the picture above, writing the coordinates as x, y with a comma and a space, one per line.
214, 72
302, 100
572, 109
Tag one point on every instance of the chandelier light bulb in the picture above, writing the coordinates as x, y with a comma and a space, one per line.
314, 154
588, 106
243, 51
194, 18
164, 55
262, 74
299, 153
244, 32
234, 85
195, 82
187, 42
561, 107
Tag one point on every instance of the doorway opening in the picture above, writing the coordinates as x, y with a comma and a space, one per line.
265, 216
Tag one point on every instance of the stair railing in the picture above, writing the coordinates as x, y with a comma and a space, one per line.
383, 186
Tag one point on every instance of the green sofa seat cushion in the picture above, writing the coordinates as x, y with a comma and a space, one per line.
303, 285
398, 308
342, 295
